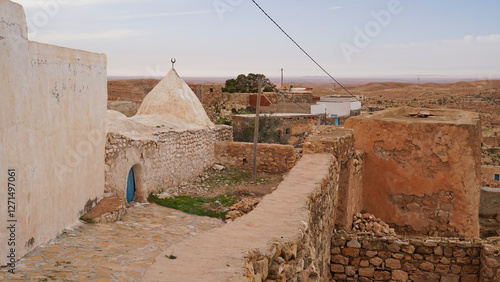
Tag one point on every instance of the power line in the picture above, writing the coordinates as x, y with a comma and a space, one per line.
304, 51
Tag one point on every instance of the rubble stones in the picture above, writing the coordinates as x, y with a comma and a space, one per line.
369, 223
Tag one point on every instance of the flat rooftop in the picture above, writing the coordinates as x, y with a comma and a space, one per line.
420, 115
278, 115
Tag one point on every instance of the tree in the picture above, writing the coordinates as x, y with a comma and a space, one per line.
248, 84
268, 131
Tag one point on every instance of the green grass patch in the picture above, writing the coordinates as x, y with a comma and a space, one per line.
230, 177
215, 207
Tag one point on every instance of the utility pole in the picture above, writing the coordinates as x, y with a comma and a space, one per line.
281, 77
256, 133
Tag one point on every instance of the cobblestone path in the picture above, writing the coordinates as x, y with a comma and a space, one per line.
120, 251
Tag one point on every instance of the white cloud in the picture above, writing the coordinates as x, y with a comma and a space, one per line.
335, 7
127, 17
492, 39
30, 4
52, 37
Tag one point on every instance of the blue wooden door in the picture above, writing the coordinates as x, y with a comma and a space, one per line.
130, 186
497, 177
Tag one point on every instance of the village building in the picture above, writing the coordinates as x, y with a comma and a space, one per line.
418, 170
169, 141
52, 132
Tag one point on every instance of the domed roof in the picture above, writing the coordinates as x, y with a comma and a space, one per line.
172, 96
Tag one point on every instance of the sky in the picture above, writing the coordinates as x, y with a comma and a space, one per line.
224, 38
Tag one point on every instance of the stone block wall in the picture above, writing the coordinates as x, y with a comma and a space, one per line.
340, 142
272, 158
490, 261
276, 98
167, 160
358, 257
305, 259
223, 133
327, 139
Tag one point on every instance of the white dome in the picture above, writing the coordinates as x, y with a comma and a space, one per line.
172, 96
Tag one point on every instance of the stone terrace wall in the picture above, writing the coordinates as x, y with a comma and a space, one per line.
286, 237
277, 98
340, 143
272, 158
366, 258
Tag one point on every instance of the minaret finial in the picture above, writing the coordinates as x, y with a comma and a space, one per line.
173, 60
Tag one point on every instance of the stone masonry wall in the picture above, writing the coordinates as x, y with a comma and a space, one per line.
307, 258
272, 158
166, 161
223, 133
365, 258
277, 98
340, 142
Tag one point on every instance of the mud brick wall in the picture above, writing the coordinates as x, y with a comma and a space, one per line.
271, 158
415, 164
366, 258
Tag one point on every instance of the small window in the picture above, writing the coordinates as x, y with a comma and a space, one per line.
211, 90
497, 177
287, 131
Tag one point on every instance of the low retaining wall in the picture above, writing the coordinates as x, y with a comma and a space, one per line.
272, 158
286, 237
358, 257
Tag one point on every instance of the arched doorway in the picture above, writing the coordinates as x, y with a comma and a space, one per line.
130, 186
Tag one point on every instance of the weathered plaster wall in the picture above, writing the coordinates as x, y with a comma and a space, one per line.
357, 257
53, 105
422, 174
272, 158
167, 160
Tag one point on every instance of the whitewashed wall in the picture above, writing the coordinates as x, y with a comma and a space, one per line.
339, 109
52, 131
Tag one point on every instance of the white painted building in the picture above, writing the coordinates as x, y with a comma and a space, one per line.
52, 124
336, 106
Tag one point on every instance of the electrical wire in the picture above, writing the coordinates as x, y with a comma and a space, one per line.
304, 51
